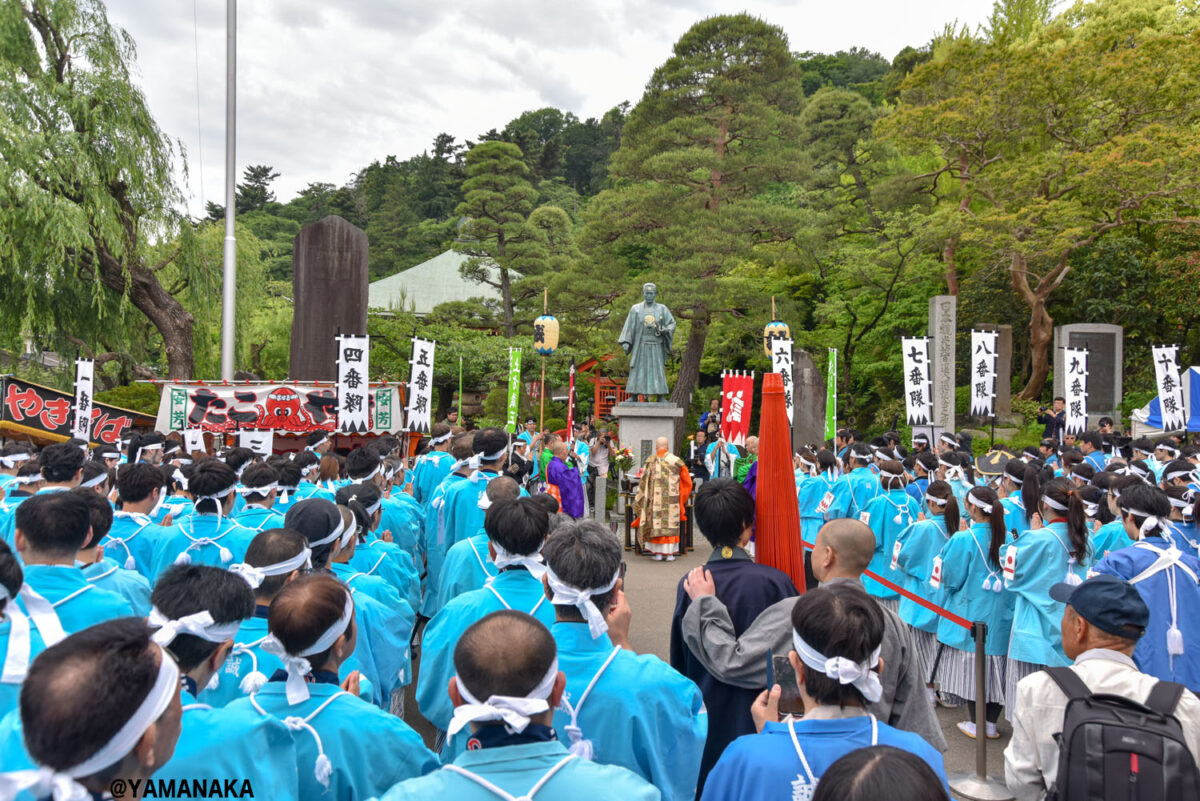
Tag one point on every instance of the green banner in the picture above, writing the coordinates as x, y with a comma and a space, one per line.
514, 389
831, 396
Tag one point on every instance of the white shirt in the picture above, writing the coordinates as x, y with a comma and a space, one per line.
1031, 758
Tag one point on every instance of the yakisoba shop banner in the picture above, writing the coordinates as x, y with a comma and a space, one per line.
284, 407
46, 415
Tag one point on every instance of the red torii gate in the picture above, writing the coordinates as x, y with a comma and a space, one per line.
607, 392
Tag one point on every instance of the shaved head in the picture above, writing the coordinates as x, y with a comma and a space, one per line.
502, 488
504, 653
661, 443
852, 541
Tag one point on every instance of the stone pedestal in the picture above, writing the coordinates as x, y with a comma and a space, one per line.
808, 420
1106, 360
329, 290
600, 502
943, 315
642, 423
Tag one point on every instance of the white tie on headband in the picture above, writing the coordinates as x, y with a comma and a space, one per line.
808, 464
1150, 522
886, 474
199, 624
15, 460
255, 576
533, 563
986, 507
566, 595
844, 671
95, 482
439, 440
515, 712
296, 665
61, 785
263, 490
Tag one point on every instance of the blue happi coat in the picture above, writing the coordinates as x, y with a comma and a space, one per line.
966, 570
640, 713
259, 518
129, 584
131, 542
234, 743
207, 540
468, 566
1153, 576
435, 542
429, 471
855, 490
514, 588
1042, 559
1109, 537
517, 769
889, 515
817, 492
369, 749
919, 546
1016, 517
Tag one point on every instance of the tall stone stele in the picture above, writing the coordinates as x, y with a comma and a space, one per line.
329, 288
943, 316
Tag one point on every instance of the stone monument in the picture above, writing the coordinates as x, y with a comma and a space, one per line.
329, 288
808, 401
942, 329
1106, 353
647, 337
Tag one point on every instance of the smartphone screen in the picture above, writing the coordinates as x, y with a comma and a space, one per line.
790, 702
623, 566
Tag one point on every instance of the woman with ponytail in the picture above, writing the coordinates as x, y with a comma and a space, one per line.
1057, 550
1095, 507
374, 556
889, 515
955, 469
973, 587
915, 556
1168, 581
1021, 491
816, 497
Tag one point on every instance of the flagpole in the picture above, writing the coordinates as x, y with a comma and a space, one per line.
460, 391
229, 294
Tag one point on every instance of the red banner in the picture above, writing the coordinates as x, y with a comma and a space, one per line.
571, 403
45, 410
737, 397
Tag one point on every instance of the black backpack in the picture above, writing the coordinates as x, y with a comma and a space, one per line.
1112, 747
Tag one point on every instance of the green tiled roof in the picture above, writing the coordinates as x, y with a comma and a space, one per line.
428, 284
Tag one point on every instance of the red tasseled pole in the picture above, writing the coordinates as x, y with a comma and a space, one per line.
777, 520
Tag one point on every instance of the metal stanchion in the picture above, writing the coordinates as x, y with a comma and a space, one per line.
978, 786
628, 523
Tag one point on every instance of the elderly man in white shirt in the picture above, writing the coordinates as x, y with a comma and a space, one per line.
1102, 622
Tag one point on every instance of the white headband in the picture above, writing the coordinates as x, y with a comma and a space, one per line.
936, 500
515, 712
60, 783
566, 595
948, 439
1132, 469
95, 482
440, 440
15, 460
1149, 523
1168, 448
199, 625
986, 507
31, 479
1018, 480
1180, 503
857, 674
1053, 504
806, 463
255, 576
304, 471
296, 665
368, 476
533, 562
263, 490
180, 479
333, 535
886, 474
1177, 474
1091, 509
110, 454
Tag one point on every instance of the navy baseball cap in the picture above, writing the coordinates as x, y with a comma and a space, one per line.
1108, 603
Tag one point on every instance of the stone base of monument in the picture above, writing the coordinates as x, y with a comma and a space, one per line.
641, 424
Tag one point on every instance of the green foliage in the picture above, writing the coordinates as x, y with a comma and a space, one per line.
139, 397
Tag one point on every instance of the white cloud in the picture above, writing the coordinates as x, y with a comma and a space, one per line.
326, 88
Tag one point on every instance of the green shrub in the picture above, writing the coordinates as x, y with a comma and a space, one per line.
135, 397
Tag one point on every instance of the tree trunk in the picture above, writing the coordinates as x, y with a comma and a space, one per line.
689, 367
507, 300
1041, 325
172, 321
948, 252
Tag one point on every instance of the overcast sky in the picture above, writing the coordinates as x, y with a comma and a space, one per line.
324, 88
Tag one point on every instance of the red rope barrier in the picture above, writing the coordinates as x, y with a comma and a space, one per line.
932, 607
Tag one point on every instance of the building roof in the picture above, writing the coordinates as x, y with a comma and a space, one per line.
430, 283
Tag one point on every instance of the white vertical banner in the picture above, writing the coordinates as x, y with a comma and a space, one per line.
261, 442
781, 362
982, 378
354, 411
918, 380
420, 386
84, 390
1075, 360
1170, 388
193, 440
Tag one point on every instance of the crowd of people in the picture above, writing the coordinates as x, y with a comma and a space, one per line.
225, 617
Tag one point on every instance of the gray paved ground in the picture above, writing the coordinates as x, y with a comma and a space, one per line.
650, 588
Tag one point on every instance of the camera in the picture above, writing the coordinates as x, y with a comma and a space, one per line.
1041, 408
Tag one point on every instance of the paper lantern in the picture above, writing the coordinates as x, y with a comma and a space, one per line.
776, 329
545, 335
